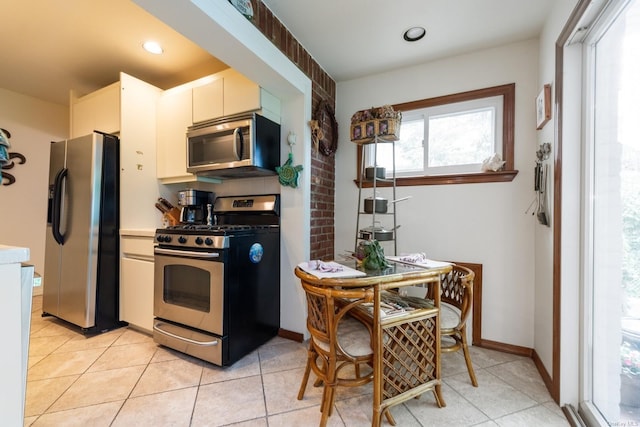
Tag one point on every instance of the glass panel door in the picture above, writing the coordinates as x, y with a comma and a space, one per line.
612, 197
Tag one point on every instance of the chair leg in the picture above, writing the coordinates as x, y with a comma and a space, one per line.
307, 371
323, 407
437, 393
329, 388
389, 417
318, 381
467, 357
377, 418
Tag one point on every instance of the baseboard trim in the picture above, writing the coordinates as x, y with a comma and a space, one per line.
295, 336
505, 348
548, 382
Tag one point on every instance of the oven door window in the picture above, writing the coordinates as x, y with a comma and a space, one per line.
187, 286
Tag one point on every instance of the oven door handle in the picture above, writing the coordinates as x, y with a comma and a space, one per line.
186, 254
156, 327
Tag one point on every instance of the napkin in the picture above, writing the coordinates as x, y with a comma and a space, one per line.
419, 259
331, 269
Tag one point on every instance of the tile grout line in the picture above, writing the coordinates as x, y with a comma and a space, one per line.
60, 395
134, 386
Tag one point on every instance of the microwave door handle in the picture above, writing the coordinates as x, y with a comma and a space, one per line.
238, 139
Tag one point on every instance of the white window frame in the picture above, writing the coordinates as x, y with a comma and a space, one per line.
494, 104
503, 96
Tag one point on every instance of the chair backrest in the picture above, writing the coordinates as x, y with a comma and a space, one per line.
326, 305
456, 289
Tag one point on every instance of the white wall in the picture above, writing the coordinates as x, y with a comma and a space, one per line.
23, 214
480, 223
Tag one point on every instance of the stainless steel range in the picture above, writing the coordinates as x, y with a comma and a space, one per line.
217, 285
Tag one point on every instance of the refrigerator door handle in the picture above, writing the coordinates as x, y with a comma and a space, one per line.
57, 205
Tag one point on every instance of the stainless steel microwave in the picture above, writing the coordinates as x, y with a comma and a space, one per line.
234, 147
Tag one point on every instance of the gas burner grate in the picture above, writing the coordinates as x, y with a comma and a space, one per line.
219, 228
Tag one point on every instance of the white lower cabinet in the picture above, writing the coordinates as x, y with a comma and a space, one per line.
136, 281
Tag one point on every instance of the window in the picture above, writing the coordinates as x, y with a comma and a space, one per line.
611, 228
444, 140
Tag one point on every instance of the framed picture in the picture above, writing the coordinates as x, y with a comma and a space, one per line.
543, 106
356, 132
370, 129
383, 127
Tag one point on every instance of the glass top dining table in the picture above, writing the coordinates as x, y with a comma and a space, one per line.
406, 345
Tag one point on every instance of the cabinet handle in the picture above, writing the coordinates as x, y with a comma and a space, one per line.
238, 139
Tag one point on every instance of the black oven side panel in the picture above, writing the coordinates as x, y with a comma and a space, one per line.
252, 276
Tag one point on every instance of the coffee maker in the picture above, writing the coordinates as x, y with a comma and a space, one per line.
194, 205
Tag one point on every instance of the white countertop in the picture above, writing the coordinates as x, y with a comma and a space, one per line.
142, 232
12, 254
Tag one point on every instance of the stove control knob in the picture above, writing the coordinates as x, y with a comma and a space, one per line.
160, 238
182, 239
208, 241
198, 240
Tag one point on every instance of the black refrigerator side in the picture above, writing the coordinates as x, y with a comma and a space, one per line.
108, 286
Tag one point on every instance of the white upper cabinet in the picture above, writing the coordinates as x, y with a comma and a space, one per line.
229, 93
222, 94
240, 94
207, 101
174, 116
99, 110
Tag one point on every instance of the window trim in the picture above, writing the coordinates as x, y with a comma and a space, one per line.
508, 122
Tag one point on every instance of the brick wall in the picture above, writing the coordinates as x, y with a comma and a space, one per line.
322, 167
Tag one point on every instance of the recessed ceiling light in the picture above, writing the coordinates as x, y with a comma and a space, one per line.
414, 34
153, 47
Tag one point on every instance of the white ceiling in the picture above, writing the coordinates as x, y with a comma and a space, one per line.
50, 47
352, 38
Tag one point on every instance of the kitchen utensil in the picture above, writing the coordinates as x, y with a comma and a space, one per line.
376, 233
542, 205
193, 214
377, 171
192, 197
164, 202
380, 204
162, 208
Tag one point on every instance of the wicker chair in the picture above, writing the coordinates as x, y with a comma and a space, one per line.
338, 341
456, 299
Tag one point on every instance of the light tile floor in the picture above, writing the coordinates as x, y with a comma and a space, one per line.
122, 378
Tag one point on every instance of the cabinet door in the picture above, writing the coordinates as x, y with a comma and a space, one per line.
138, 183
208, 101
99, 110
174, 116
240, 94
136, 292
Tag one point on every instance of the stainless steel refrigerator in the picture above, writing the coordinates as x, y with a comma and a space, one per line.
81, 271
